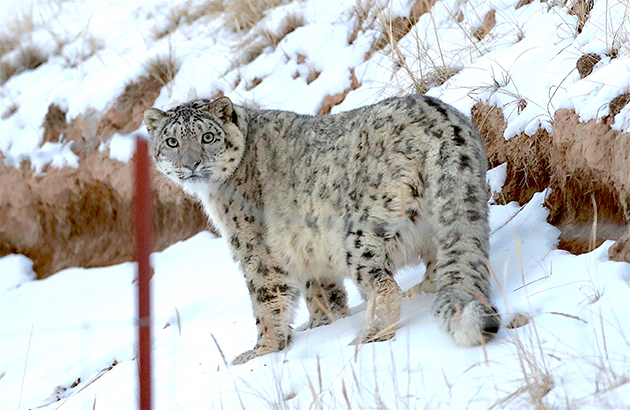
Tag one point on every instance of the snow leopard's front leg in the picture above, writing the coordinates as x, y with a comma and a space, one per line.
272, 293
371, 267
273, 302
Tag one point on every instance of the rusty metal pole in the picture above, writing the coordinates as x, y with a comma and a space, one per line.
143, 227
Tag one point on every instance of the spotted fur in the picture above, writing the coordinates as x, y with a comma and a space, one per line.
305, 202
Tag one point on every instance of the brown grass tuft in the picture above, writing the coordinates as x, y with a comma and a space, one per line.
7, 70
163, 68
15, 29
255, 43
523, 3
288, 25
435, 77
243, 15
187, 13
250, 51
256, 81
581, 9
11, 109
28, 58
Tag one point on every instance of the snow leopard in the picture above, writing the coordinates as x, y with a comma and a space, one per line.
305, 202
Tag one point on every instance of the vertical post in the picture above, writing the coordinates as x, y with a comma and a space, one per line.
143, 226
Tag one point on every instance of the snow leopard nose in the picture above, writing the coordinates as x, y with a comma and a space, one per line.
192, 164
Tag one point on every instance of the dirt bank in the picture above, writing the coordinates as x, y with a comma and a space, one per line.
587, 165
82, 217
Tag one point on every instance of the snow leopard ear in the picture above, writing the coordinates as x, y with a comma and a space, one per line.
222, 107
152, 118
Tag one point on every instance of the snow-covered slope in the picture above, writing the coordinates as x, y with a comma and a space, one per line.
61, 336
68, 341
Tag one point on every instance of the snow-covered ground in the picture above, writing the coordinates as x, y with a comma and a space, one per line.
68, 341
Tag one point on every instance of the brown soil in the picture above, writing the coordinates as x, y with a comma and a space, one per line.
523, 3
54, 124
488, 23
587, 165
586, 63
336, 99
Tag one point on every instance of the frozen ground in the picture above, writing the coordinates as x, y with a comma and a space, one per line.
67, 341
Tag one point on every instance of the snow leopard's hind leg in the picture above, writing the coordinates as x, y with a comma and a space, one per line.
327, 301
462, 307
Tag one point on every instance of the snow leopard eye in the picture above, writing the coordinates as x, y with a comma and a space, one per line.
208, 138
172, 142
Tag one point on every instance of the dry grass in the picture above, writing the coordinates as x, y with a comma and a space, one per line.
581, 9
430, 72
501, 84
28, 58
363, 16
538, 380
188, 13
7, 70
367, 15
242, 15
163, 68
257, 40
288, 24
17, 50
421, 68
396, 29
15, 29
11, 109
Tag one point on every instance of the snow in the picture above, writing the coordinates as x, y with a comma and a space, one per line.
78, 322
16, 270
121, 147
495, 178
69, 340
